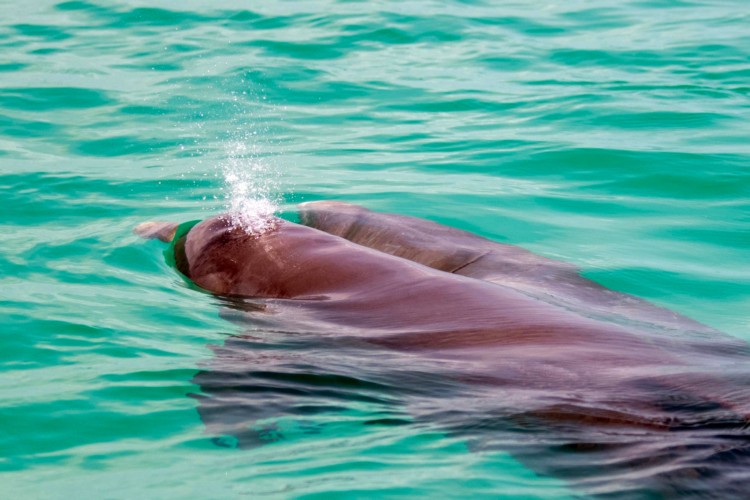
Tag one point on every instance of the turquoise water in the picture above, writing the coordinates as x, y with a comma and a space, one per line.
614, 137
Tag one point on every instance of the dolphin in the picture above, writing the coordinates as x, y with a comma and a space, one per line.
466, 254
488, 341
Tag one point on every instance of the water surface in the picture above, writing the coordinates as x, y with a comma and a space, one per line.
611, 136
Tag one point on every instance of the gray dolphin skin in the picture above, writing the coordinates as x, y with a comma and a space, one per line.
466, 254
434, 326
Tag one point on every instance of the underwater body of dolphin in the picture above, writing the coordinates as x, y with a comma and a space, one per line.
489, 341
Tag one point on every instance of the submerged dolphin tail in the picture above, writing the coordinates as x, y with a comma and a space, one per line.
164, 231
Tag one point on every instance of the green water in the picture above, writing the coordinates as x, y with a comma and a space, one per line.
611, 135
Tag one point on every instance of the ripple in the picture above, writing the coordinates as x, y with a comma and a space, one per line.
52, 98
123, 145
48, 33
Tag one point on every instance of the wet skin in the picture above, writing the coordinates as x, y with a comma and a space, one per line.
485, 340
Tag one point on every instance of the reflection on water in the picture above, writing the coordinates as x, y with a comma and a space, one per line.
665, 429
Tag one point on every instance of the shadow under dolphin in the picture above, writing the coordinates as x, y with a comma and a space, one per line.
505, 348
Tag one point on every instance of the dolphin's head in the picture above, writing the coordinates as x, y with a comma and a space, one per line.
220, 256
